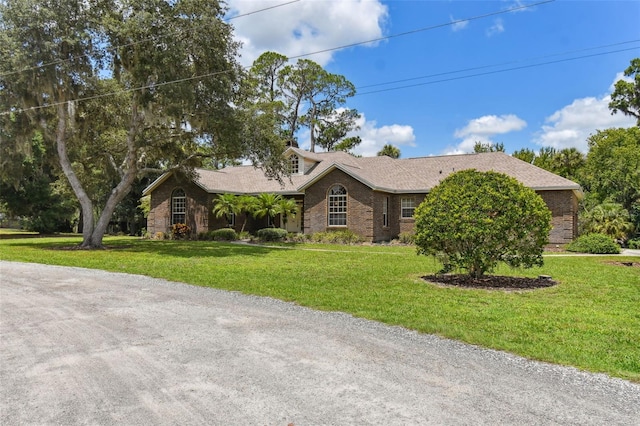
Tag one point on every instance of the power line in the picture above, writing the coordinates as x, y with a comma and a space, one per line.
114, 48
104, 95
293, 57
497, 65
262, 10
433, 27
495, 72
473, 18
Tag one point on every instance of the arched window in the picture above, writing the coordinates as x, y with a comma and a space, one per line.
337, 206
178, 207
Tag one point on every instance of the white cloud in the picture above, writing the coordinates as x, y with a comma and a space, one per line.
457, 25
305, 26
496, 28
570, 126
374, 137
482, 129
490, 125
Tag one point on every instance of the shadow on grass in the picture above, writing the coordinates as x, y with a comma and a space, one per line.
185, 249
189, 249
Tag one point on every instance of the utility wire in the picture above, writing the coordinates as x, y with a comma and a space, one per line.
103, 95
497, 65
318, 51
262, 10
433, 27
114, 48
293, 57
495, 72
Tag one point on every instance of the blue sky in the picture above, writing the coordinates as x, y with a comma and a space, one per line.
476, 72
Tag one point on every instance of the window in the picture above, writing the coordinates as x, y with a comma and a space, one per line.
385, 212
178, 207
337, 201
231, 219
294, 164
408, 205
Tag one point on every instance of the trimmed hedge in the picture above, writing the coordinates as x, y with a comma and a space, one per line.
223, 234
594, 244
271, 234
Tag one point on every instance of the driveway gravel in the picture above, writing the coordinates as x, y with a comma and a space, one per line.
84, 346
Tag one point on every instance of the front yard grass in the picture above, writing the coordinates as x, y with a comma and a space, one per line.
590, 320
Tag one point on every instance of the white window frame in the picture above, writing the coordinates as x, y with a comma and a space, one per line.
294, 164
178, 206
337, 207
385, 212
407, 208
232, 219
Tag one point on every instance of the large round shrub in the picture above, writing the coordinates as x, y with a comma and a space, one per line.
472, 220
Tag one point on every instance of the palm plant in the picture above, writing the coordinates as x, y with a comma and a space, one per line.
267, 205
225, 205
610, 219
390, 151
246, 204
568, 163
287, 207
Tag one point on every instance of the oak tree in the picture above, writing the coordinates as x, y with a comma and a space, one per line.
626, 94
119, 87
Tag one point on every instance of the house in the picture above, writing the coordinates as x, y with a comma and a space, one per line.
374, 197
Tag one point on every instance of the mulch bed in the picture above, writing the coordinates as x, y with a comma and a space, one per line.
490, 282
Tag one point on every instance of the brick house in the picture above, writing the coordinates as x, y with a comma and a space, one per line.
372, 196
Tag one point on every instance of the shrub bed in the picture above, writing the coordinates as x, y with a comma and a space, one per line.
336, 237
594, 244
271, 234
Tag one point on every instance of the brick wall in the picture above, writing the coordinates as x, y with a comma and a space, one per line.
359, 205
381, 232
564, 215
198, 215
563, 206
364, 210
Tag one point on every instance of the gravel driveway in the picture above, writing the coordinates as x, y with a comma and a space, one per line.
89, 347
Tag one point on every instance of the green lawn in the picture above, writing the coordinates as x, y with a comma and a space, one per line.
591, 320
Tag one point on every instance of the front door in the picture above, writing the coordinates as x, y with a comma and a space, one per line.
294, 224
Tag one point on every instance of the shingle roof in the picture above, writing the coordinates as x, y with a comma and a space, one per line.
411, 175
422, 174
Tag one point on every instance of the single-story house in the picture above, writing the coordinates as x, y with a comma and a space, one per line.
374, 197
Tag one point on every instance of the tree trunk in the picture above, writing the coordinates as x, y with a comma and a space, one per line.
84, 200
122, 189
312, 129
92, 232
